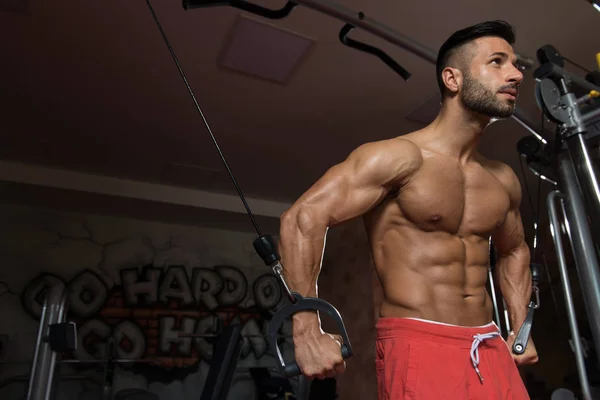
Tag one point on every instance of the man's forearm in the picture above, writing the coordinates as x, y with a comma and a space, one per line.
514, 276
302, 241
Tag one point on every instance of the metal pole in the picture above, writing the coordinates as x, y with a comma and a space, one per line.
582, 244
42, 375
506, 317
33, 376
590, 115
358, 19
573, 136
586, 176
494, 299
528, 124
491, 266
562, 268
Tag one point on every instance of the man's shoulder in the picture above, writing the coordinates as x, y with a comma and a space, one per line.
397, 148
501, 170
393, 158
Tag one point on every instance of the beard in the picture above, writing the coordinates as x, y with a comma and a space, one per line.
476, 97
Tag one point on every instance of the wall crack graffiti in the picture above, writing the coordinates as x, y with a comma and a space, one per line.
170, 244
5, 289
89, 238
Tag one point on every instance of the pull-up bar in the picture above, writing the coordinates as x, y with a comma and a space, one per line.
355, 19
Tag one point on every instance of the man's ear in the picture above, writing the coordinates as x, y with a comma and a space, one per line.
452, 78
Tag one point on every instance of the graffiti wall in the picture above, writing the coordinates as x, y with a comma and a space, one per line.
159, 293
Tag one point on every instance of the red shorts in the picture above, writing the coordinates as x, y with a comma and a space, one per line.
425, 360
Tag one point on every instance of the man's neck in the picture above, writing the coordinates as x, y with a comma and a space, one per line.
457, 131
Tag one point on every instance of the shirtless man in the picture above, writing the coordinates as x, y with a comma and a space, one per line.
430, 203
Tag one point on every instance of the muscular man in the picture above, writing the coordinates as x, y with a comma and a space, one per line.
430, 203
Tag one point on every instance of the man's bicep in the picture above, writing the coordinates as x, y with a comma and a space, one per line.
341, 194
510, 235
353, 194
355, 186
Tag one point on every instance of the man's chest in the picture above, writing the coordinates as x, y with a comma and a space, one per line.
459, 200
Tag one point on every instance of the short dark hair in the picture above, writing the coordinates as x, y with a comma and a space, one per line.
459, 38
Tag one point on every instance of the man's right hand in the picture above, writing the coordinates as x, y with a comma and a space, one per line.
319, 354
530, 355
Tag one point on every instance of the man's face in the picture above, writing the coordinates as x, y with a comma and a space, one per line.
490, 85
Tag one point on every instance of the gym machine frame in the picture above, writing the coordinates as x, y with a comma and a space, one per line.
577, 186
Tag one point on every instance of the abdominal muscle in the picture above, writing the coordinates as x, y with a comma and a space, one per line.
435, 276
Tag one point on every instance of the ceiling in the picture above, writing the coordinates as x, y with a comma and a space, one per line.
91, 87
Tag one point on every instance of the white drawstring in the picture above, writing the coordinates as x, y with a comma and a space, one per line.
479, 338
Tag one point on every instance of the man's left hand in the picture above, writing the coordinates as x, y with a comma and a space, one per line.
530, 355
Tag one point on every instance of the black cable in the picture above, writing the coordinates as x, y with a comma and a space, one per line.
237, 187
535, 211
527, 187
539, 198
577, 65
537, 218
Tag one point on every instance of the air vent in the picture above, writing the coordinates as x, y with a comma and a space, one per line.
265, 51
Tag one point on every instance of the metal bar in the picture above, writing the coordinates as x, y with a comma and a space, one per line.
586, 176
562, 268
590, 115
506, 317
528, 124
494, 299
360, 20
551, 287
491, 266
36, 354
58, 315
62, 309
582, 244
40, 383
